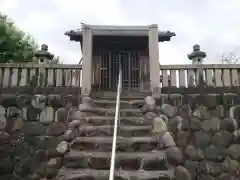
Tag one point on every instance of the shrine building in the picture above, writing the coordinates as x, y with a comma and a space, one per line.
107, 48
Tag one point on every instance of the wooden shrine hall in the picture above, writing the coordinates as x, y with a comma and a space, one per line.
106, 48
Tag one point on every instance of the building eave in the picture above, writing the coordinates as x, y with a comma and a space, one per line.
137, 31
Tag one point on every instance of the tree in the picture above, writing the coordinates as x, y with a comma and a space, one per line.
15, 45
230, 58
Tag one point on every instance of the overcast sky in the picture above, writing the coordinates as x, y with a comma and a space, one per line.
214, 24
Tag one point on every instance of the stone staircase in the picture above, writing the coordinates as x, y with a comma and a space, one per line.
137, 153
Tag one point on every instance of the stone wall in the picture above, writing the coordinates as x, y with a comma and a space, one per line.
206, 133
200, 134
31, 129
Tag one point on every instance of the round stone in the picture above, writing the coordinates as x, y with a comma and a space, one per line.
225, 176
41, 155
174, 156
229, 124
168, 110
4, 137
211, 125
13, 112
213, 153
201, 139
231, 165
201, 112
47, 115
74, 124
32, 113
159, 126
56, 129
222, 139
185, 111
211, 168
167, 140
175, 124
17, 124
234, 151
193, 167
69, 135
150, 116
61, 115
2, 111
236, 136
183, 138
33, 128
205, 177
38, 101
195, 124
3, 123
182, 173
194, 153
150, 104
63, 147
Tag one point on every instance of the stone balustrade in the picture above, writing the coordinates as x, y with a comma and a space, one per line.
25, 78
214, 75
59, 78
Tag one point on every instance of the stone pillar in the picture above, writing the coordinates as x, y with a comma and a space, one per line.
154, 59
87, 61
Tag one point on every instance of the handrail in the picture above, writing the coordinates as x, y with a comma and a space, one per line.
112, 167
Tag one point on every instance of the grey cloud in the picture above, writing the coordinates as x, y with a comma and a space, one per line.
212, 24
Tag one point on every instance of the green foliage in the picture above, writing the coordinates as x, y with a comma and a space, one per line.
15, 45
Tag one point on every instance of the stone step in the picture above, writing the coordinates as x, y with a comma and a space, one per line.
111, 111
107, 140
111, 103
77, 174
107, 130
124, 95
109, 120
124, 144
127, 161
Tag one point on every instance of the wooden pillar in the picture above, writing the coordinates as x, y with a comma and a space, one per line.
87, 61
154, 60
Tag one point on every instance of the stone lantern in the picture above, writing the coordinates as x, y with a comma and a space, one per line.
43, 56
197, 55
